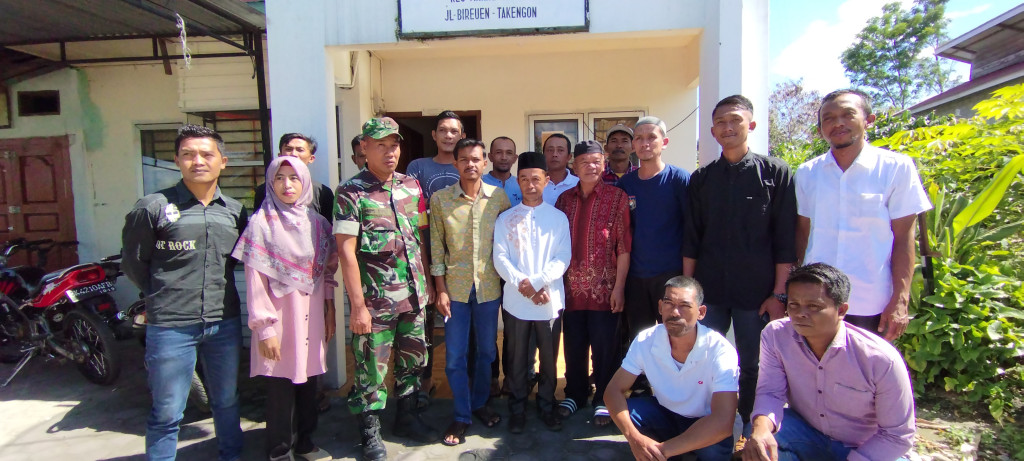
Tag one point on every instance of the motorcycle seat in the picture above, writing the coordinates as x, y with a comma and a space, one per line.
31, 277
49, 277
33, 288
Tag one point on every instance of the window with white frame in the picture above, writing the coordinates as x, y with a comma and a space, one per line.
578, 125
543, 125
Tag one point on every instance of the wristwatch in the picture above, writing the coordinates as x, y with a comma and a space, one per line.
781, 297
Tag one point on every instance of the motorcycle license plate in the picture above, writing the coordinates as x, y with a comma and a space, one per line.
79, 294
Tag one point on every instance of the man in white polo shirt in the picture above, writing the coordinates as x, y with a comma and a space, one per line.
856, 206
694, 376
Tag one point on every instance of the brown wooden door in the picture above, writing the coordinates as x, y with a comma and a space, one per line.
36, 201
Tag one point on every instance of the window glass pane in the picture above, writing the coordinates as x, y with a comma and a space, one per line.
602, 124
158, 168
544, 128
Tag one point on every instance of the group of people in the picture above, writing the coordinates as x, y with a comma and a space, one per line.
642, 269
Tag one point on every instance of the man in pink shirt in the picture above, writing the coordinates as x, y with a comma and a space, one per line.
848, 389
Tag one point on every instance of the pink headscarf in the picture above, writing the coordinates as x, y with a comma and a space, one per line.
290, 244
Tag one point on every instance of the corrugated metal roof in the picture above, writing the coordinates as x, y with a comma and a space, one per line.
34, 21
992, 33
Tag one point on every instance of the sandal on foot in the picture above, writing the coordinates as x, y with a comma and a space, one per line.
601, 416
566, 408
486, 416
457, 432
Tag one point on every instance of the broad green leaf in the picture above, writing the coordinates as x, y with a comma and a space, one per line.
985, 203
995, 408
994, 331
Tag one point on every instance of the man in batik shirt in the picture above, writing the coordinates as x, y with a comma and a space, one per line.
595, 282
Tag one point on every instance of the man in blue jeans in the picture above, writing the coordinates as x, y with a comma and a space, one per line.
176, 246
468, 288
694, 376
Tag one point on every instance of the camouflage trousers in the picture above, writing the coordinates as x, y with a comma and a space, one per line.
401, 332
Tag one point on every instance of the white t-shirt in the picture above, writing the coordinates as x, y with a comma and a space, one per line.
712, 366
851, 214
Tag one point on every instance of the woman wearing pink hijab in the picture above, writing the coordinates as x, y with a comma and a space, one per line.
290, 257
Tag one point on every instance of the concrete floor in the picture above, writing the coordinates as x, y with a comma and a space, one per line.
50, 412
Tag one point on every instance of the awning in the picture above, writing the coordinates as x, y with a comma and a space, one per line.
25, 22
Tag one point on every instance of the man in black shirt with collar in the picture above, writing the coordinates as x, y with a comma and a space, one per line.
176, 247
739, 240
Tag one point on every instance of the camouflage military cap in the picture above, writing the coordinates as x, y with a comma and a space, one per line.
380, 128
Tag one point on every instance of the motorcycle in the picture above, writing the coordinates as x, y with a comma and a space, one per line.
67, 314
197, 395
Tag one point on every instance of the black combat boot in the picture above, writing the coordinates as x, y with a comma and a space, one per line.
369, 428
408, 423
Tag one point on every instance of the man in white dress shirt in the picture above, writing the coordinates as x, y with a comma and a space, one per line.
856, 207
531, 252
557, 152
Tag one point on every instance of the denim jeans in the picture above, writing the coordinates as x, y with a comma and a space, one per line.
799, 441
661, 424
480, 318
171, 358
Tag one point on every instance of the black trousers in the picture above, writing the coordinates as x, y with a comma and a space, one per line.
642, 295
548, 334
589, 334
747, 325
867, 322
291, 415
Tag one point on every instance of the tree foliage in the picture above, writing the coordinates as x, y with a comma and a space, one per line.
792, 116
889, 59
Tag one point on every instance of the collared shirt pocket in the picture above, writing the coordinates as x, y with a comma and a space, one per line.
853, 401
379, 234
869, 205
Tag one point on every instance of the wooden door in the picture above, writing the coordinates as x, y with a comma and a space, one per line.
36, 201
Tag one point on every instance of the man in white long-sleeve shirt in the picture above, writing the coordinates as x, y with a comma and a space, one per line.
531, 252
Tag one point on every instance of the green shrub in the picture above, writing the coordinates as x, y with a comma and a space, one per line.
968, 336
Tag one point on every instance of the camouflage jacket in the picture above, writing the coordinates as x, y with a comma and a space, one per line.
386, 219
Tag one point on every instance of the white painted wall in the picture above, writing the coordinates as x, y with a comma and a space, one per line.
356, 107
302, 81
734, 60
355, 22
507, 89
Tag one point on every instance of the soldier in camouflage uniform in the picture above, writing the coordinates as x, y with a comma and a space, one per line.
378, 222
